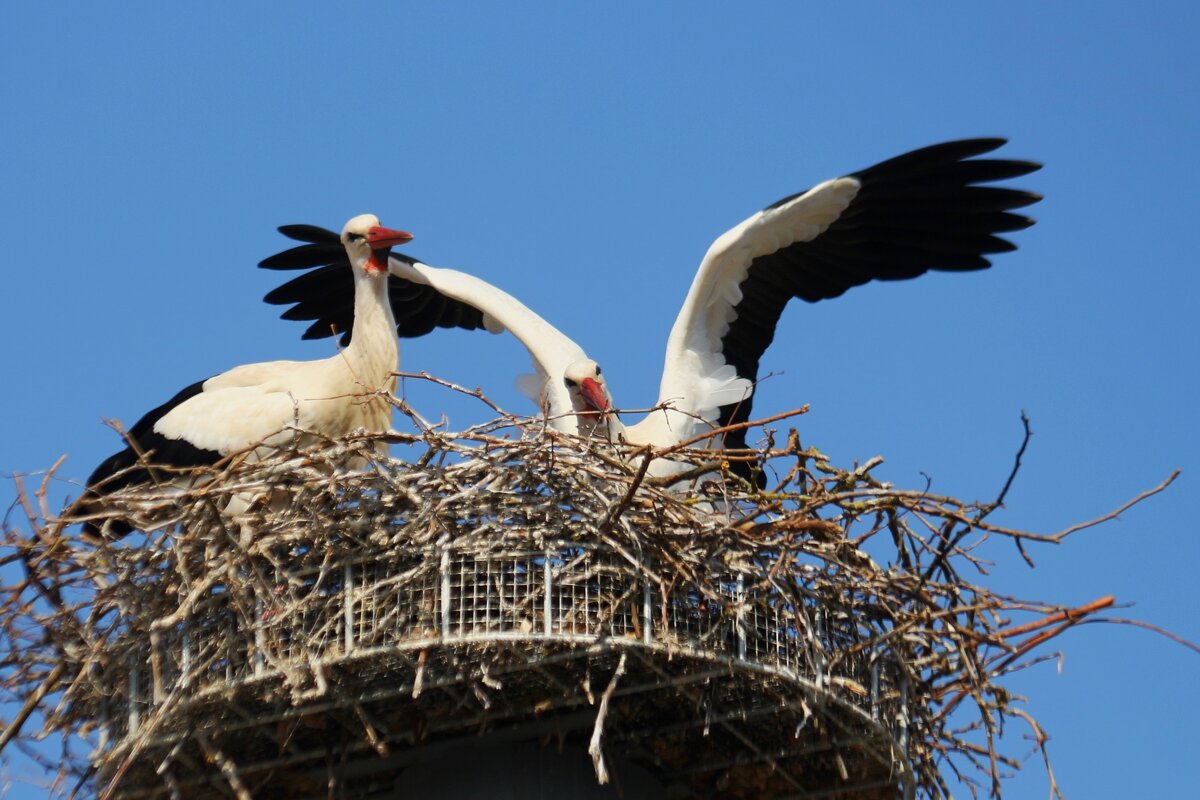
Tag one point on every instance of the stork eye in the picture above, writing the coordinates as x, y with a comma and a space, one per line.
355, 237
598, 373
570, 384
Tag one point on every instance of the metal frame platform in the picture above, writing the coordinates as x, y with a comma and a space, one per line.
349, 671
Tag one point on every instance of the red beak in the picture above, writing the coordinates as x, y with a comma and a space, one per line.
383, 238
593, 394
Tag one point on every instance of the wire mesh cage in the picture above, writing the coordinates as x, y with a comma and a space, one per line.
460, 617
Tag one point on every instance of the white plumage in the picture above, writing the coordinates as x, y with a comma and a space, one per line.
264, 405
924, 210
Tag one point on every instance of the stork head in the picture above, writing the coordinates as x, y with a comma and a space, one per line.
589, 393
368, 243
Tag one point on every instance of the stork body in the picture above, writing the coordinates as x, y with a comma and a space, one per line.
930, 209
257, 407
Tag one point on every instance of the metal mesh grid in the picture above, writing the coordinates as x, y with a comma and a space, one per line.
589, 596
382, 603
771, 634
490, 593
380, 618
571, 592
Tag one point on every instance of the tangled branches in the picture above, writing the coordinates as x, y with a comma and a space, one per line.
490, 578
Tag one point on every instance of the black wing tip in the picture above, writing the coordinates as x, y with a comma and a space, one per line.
957, 149
278, 297
973, 146
276, 261
296, 314
321, 329
313, 234
114, 472
977, 146
1024, 165
968, 149
999, 245
316, 249
945, 154
1020, 198
305, 256
1020, 222
115, 529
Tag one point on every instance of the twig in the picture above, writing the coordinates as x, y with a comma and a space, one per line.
594, 748
727, 429
477, 393
227, 767
1118, 512
31, 702
1050, 619
1137, 623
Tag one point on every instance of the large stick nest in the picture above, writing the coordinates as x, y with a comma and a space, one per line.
850, 597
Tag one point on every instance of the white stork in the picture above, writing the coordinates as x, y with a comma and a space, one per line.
275, 402
925, 210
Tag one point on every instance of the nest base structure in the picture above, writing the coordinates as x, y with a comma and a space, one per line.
347, 672
537, 607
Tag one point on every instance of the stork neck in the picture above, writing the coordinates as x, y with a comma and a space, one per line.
373, 352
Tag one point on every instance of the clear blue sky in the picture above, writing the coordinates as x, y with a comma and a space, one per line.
583, 156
